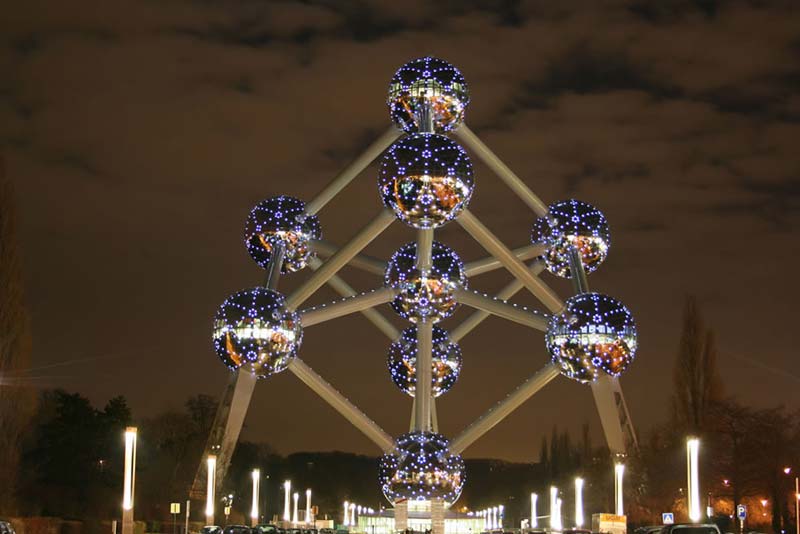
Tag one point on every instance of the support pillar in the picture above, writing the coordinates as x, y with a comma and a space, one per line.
437, 516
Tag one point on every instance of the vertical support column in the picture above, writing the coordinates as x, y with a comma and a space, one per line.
437, 516
423, 393
579, 281
400, 515
129, 483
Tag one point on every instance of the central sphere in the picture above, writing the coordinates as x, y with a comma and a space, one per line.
281, 219
427, 179
595, 333
431, 83
421, 468
446, 364
425, 296
568, 224
254, 331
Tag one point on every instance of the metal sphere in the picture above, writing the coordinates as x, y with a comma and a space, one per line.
425, 296
428, 82
427, 179
253, 330
595, 333
281, 218
403, 361
421, 468
572, 223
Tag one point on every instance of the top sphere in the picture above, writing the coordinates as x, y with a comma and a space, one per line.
572, 223
426, 179
428, 82
421, 468
283, 219
595, 333
255, 331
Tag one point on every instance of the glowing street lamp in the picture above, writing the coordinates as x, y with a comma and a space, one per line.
346, 514
352, 514
256, 484
578, 502
296, 498
211, 470
534, 514
500, 516
559, 517
693, 479
129, 480
619, 475
555, 518
287, 489
308, 506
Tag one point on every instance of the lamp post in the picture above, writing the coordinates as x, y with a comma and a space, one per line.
619, 475
211, 468
254, 508
578, 502
346, 521
534, 514
308, 506
287, 488
693, 479
129, 482
296, 498
555, 517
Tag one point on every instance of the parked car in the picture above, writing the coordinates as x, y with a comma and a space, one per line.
649, 529
265, 528
690, 528
237, 529
6, 528
211, 529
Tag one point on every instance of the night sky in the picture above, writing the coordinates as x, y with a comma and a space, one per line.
139, 134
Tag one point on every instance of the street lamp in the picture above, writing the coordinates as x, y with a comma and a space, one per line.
254, 509
619, 473
534, 514
555, 518
287, 489
129, 480
296, 498
346, 514
578, 502
308, 506
693, 479
211, 469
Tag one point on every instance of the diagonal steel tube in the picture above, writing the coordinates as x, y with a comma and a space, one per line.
491, 263
423, 389
495, 247
346, 306
338, 260
345, 290
502, 308
579, 282
501, 170
359, 261
502, 409
351, 171
478, 317
340, 403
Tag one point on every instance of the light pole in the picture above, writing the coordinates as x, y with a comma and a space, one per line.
287, 488
296, 498
129, 480
619, 475
534, 514
211, 468
308, 506
254, 508
578, 502
346, 521
693, 479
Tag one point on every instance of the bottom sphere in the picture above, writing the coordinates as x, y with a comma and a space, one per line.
421, 468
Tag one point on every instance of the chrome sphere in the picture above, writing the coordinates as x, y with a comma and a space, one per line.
572, 223
426, 179
253, 330
421, 468
403, 361
281, 218
595, 333
432, 83
425, 296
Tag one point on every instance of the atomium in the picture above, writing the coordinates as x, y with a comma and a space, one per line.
432, 83
595, 333
421, 468
283, 219
426, 179
425, 295
572, 223
254, 331
446, 364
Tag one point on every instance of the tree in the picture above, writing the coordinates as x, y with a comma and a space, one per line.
17, 402
696, 381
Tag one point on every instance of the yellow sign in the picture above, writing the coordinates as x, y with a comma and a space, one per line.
175, 508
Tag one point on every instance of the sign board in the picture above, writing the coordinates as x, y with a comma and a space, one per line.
609, 523
741, 512
668, 518
175, 508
